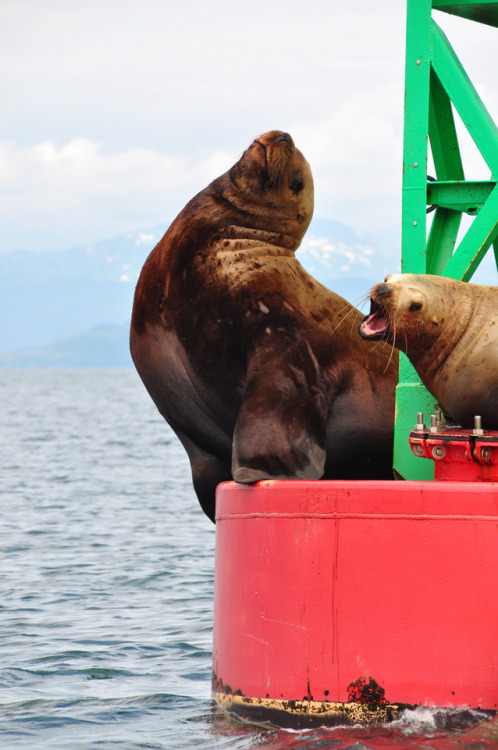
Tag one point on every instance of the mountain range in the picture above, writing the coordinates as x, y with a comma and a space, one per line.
72, 308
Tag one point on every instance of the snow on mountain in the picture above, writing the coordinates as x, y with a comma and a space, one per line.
48, 296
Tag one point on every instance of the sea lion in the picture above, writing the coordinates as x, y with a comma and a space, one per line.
243, 352
449, 331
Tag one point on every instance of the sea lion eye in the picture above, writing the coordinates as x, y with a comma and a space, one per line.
415, 306
297, 185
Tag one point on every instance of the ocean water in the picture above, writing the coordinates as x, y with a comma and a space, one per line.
106, 584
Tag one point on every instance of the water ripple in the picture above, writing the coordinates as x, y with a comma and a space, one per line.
107, 584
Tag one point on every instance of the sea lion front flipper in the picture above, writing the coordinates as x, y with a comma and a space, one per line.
280, 429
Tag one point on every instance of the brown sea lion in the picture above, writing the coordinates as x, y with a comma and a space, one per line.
243, 352
449, 331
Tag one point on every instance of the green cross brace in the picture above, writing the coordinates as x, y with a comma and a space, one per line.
435, 83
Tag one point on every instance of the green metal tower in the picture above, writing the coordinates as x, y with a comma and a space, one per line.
435, 85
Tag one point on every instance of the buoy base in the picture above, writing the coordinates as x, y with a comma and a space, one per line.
329, 593
294, 714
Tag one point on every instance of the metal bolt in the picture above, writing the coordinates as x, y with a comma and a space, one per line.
434, 424
439, 451
477, 426
418, 450
420, 426
485, 454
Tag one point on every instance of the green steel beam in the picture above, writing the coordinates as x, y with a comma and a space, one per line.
467, 197
442, 133
465, 98
414, 190
484, 11
435, 83
410, 390
479, 237
448, 164
442, 238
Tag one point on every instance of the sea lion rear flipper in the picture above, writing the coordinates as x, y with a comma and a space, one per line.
280, 429
207, 472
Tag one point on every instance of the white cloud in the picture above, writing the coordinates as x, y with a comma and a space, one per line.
330, 253
144, 238
355, 151
80, 191
116, 113
83, 166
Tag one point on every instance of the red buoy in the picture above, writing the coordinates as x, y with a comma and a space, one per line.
337, 601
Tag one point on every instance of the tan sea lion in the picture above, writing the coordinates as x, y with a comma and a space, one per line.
449, 331
243, 352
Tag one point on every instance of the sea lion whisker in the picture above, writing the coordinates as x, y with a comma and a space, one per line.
344, 318
344, 307
390, 358
361, 300
391, 321
406, 344
354, 323
364, 299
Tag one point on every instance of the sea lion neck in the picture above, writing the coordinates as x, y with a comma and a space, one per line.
254, 235
259, 209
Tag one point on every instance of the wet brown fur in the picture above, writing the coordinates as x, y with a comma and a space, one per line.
451, 338
241, 349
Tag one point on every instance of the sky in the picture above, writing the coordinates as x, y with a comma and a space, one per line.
115, 113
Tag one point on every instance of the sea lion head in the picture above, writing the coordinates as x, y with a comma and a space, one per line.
274, 175
400, 308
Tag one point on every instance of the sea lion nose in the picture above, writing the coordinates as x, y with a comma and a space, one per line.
283, 137
382, 289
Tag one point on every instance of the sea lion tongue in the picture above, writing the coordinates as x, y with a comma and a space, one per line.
374, 324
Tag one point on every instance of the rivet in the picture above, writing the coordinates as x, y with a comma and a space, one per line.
477, 426
486, 454
420, 426
418, 62
414, 223
415, 164
439, 451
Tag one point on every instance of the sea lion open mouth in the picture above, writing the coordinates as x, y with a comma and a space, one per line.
375, 324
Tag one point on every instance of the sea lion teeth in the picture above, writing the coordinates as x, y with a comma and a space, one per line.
373, 325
